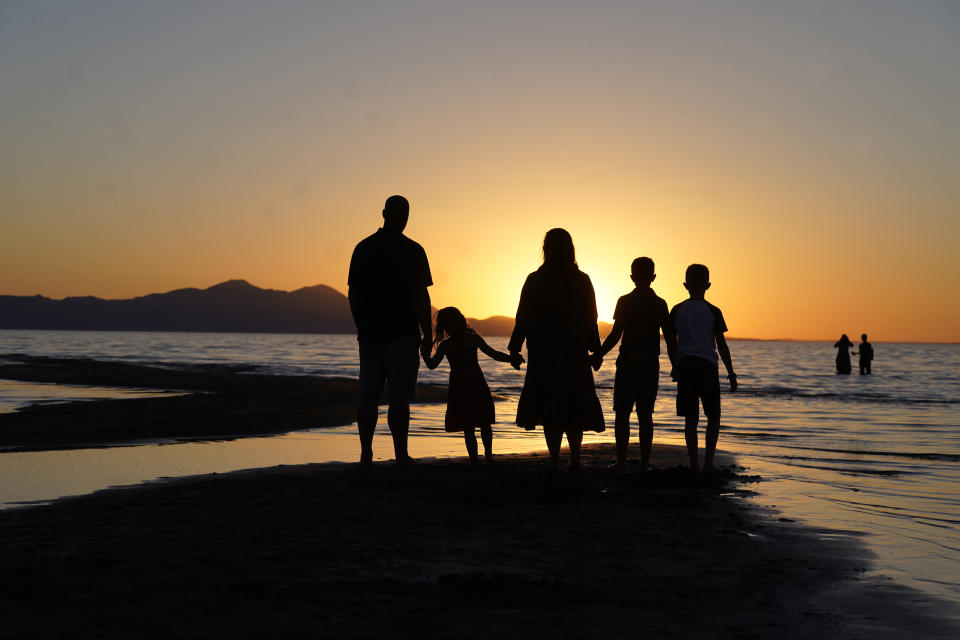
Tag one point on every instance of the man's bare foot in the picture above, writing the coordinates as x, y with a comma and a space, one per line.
405, 460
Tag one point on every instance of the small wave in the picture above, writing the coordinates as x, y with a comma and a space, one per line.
945, 457
860, 471
872, 398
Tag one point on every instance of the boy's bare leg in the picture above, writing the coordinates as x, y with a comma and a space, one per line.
646, 438
574, 438
366, 424
398, 418
622, 431
486, 434
713, 434
690, 434
470, 439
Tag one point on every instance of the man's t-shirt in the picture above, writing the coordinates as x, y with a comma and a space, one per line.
387, 271
698, 323
642, 313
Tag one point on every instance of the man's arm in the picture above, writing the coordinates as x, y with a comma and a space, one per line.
425, 321
724, 352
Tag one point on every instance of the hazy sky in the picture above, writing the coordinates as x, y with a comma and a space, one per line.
806, 151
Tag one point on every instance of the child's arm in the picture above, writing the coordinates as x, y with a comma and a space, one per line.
724, 352
612, 339
516, 360
433, 361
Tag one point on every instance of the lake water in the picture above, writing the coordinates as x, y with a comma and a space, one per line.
874, 455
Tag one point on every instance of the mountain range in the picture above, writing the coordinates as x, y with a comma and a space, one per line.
232, 306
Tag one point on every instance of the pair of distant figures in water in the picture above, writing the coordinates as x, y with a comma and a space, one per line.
557, 319
843, 346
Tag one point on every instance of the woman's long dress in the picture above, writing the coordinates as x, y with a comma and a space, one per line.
557, 317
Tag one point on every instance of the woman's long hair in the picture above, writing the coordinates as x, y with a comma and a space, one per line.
558, 250
450, 323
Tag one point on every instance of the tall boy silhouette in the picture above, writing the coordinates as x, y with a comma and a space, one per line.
700, 328
638, 319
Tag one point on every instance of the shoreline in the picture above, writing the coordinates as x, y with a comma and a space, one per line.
217, 403
442, 548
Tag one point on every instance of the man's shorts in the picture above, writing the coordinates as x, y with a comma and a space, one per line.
636, 383
393, 363
697, 381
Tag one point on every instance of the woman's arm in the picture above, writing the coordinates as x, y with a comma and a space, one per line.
522, 319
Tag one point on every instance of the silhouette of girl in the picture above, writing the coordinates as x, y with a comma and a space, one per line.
557, 317
843, 354
469, 403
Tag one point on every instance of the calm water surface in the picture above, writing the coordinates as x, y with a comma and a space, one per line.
878, 455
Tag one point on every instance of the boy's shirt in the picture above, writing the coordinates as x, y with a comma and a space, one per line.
642, 313
698, 322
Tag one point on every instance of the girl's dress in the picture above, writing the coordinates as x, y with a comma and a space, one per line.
469, 403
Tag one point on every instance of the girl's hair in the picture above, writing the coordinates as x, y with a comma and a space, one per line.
450, 323
558, 249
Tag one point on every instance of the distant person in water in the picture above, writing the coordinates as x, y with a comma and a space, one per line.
866, 355
700, 328
843, 346
557, 317
387, 289
638, 319
469, 403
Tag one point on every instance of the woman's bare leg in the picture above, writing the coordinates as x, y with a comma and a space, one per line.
574, 438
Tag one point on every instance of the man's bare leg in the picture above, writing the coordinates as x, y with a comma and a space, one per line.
367, 424
646, 438
398, 418
690, 434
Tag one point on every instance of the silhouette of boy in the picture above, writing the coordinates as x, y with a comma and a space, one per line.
638, 319
866, 355
700, 328
387, 289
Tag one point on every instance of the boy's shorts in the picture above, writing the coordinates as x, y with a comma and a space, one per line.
698, 380
395, 363
636, 383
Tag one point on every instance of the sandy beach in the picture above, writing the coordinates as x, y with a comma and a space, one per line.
442, 548
217, 402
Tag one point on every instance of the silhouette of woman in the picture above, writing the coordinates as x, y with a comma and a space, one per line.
557, 316
843, 354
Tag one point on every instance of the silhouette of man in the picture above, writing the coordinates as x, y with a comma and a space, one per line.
387, 289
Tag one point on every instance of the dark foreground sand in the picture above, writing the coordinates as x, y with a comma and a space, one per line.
440, 549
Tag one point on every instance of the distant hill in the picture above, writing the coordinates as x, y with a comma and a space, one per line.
232, 306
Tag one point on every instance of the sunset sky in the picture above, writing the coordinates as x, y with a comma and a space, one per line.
807, 151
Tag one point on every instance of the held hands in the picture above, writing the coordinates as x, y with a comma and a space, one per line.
516, 360
595, 360
425, 348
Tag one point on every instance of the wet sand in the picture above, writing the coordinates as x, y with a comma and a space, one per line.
218, 403
442, 548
